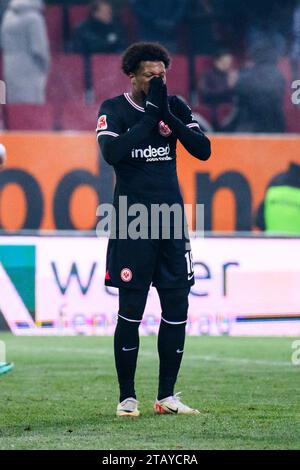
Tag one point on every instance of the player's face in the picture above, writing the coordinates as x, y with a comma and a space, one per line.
225, 62
147, 70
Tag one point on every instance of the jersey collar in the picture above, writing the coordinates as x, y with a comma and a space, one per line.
130, 101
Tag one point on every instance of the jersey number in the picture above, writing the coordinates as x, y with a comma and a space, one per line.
190, 264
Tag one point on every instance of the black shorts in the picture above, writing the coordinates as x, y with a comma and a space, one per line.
135, 264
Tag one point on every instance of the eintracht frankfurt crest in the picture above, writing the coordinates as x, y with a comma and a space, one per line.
164, 130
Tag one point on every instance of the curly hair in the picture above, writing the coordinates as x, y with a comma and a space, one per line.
142, 51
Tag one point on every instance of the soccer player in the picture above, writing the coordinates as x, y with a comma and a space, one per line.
6, 367
137, 133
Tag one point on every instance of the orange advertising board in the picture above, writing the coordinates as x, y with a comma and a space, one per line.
232, 182
56, 180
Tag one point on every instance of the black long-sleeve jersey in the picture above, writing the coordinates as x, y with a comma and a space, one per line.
143, 153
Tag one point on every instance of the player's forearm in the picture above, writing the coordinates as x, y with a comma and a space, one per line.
114, 149
196, 143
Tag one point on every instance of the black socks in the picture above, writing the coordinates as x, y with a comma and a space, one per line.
170, 349
126, 345
171, 338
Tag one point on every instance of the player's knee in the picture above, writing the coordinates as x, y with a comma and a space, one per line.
174, 304
132, 304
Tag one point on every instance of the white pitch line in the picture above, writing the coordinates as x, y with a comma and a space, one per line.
109, 351
242, 361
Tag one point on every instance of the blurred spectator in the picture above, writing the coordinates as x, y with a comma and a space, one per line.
259, 94
264, 23
295, 56
100, 32
216, 85
201, 22
159, 20
232, 23
280, 210
243, 23
3, 6
26, 54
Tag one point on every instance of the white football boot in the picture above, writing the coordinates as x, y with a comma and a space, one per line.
173, 405
128, 407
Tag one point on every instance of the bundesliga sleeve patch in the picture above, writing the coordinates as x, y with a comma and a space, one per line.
102, 123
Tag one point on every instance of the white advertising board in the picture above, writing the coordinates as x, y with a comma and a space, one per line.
244, 286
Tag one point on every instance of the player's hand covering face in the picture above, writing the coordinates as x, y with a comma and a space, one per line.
154, 100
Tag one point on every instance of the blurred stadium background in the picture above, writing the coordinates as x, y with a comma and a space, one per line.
237, 64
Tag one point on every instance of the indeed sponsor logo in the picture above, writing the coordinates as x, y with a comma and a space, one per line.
150, 152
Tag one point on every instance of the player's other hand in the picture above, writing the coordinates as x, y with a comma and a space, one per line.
155, 98
166, 111
2, 156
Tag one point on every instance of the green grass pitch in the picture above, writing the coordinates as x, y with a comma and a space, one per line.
62, 394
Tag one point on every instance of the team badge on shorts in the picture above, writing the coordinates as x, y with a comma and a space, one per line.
126, 275
102, 123
163, 129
